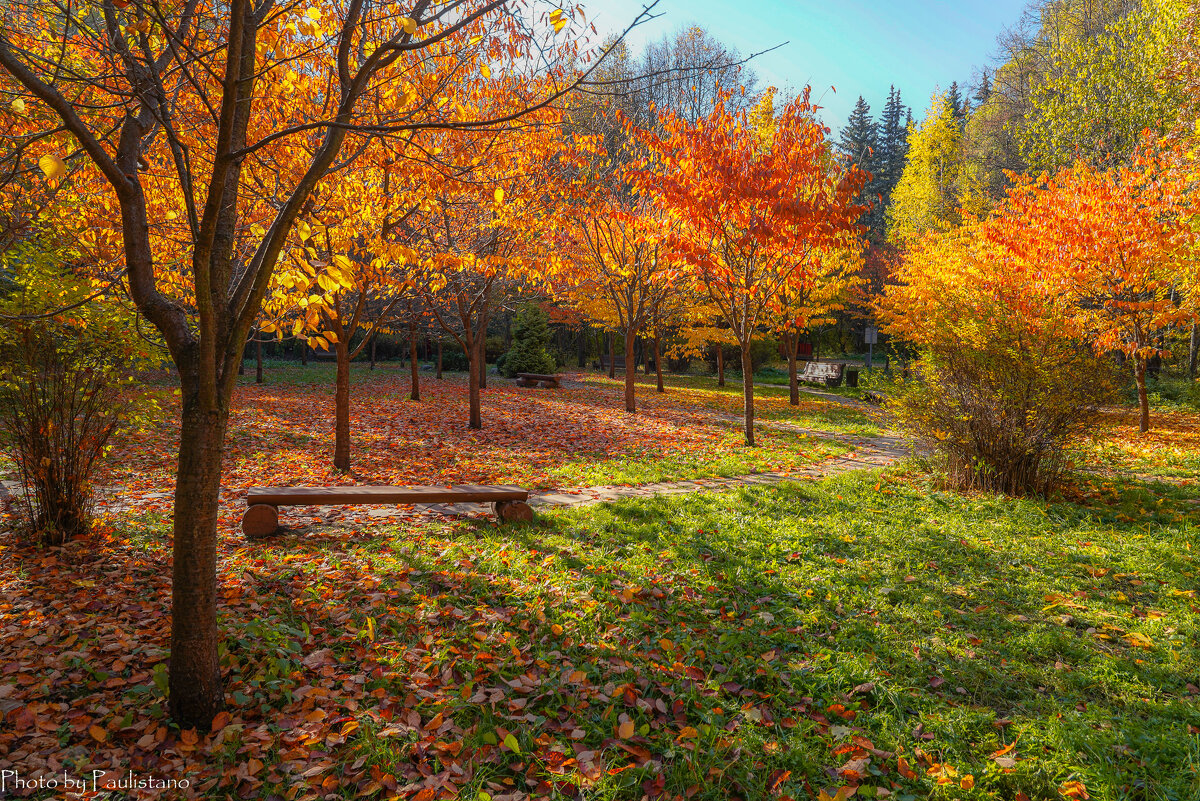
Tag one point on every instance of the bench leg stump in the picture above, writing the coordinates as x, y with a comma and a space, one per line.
513, 512
260, 521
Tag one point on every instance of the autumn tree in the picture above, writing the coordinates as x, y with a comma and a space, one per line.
751, 206
620, 267
1116, 243
171, 106
481, 231
927, 196
1005, 379
817, 292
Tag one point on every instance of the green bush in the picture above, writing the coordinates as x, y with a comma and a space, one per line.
67, 385
531, 335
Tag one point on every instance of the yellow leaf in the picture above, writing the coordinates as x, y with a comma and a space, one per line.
484, 70
98, 733
409, 24
18, 106
625, 730
53, 167
499, 197
313, 13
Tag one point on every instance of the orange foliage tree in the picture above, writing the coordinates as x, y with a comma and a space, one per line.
172, 107
1116, 243
1006, 379
618, 268
753, 203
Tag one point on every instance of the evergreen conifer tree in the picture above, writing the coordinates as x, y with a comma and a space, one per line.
531, 334
860, 143
893, 144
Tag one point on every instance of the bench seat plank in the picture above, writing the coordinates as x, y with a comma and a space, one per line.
337, 496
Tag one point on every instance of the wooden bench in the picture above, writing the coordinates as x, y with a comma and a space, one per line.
823, 373
619, 361
262, 517
535, 380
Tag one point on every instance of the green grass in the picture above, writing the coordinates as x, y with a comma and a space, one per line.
758, 642
771, 403
777, 451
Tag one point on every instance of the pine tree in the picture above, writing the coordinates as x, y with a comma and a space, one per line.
531, 334
859, 142
893, 144
956, 102
985, 88
860, 138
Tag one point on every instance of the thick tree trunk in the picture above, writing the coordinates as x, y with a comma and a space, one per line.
415, 394
720, 365
483, 363
341, 424
1193, 353
658, 362
304, 354
258, 370
473, 396
748, 392
439, 360
630, 373
1139, 373
792, 343
582, 346
612, 356
195, 692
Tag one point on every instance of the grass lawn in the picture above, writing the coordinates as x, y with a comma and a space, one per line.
866, 631
771, 402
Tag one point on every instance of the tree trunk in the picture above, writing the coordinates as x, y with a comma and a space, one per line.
473, 397
630, 373
748, 392
304, 354
1193, 353
483, 360
258, 373
372, 353
658, 362
612, 355
341, 425
582, 346
792, 343
415, 394
439, 360
1139, 373
720, 365
194, 679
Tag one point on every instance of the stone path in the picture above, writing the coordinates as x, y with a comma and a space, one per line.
870, 453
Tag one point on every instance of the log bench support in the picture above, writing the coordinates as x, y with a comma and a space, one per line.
261, 518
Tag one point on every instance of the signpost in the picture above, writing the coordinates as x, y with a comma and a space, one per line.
871, 337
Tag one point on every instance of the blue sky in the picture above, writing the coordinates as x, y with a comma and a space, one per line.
858, 46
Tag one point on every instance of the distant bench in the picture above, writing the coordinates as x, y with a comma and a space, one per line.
535, 380
618, 362
825, 373
262, 518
